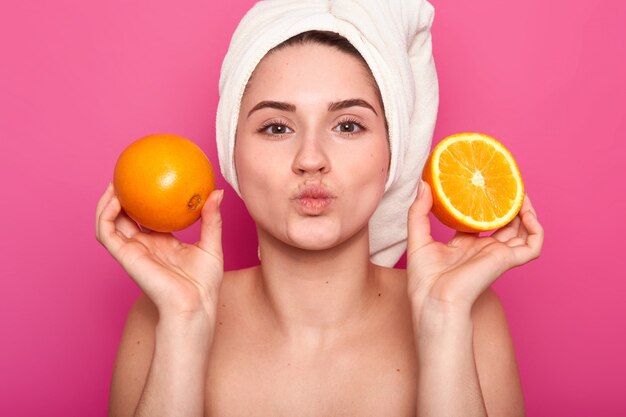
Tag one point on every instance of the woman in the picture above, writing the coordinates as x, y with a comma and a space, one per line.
317, 328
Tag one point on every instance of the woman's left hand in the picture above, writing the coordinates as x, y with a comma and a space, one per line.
450, 277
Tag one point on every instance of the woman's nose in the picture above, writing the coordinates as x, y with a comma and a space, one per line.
311, 157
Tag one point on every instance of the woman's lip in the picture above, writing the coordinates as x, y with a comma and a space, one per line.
313, 199
315, 191
313, 206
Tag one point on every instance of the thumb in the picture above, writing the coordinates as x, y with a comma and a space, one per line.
211, 226
419, 222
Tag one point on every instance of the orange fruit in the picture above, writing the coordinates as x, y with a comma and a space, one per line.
162, 181
475, 182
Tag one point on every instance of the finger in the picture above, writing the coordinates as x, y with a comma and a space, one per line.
211, 226
515, 241
418, 221
123, 223
144, 229
516, 226
102, 202
509, 231
534, 241
522, 232
126, 226
106, 228
527, 205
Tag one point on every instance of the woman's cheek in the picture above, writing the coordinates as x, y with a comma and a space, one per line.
261, 182
368, 186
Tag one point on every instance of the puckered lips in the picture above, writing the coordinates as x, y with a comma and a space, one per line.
313, 199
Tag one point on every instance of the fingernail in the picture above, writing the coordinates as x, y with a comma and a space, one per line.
420, 190
220, 198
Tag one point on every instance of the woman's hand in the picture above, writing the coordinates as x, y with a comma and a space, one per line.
450, 277
182, 280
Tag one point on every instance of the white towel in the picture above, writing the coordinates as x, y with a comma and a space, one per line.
393, 36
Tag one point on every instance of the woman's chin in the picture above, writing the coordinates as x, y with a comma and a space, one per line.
313, 233
313, 243
314, 238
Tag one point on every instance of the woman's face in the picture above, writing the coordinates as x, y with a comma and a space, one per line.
311, 150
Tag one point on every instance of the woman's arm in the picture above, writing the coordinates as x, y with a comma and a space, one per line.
467, 363
495, 358
158, 367
134, 356
162, 361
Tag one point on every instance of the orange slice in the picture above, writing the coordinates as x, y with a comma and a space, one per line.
475, 182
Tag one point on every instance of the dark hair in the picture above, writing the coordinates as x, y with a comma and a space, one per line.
322, 37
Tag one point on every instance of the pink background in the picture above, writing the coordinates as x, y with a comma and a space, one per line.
79, 80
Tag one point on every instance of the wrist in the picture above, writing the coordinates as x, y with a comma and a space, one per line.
187, 312
443, 337
185, 331
436, 318
177, 378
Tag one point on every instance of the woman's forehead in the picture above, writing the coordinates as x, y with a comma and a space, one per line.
317, 70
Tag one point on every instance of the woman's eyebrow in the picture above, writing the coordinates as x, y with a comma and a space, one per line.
279, 105
350, 103
338, 105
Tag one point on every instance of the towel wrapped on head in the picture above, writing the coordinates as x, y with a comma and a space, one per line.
394, 38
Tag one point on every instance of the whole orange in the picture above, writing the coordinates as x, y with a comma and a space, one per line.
162, 181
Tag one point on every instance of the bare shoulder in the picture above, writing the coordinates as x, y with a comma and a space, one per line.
495, 357
490, 324
136, 347
493, 348
134, 356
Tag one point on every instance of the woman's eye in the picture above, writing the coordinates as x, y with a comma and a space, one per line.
348, 127
276, 129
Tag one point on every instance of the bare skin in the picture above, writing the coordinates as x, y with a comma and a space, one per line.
316, 329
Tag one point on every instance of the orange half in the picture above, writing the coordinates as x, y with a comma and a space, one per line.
475, 182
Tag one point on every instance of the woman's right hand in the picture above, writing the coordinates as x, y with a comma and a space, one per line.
182, 280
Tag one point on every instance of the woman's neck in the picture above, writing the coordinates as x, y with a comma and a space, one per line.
315, 296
